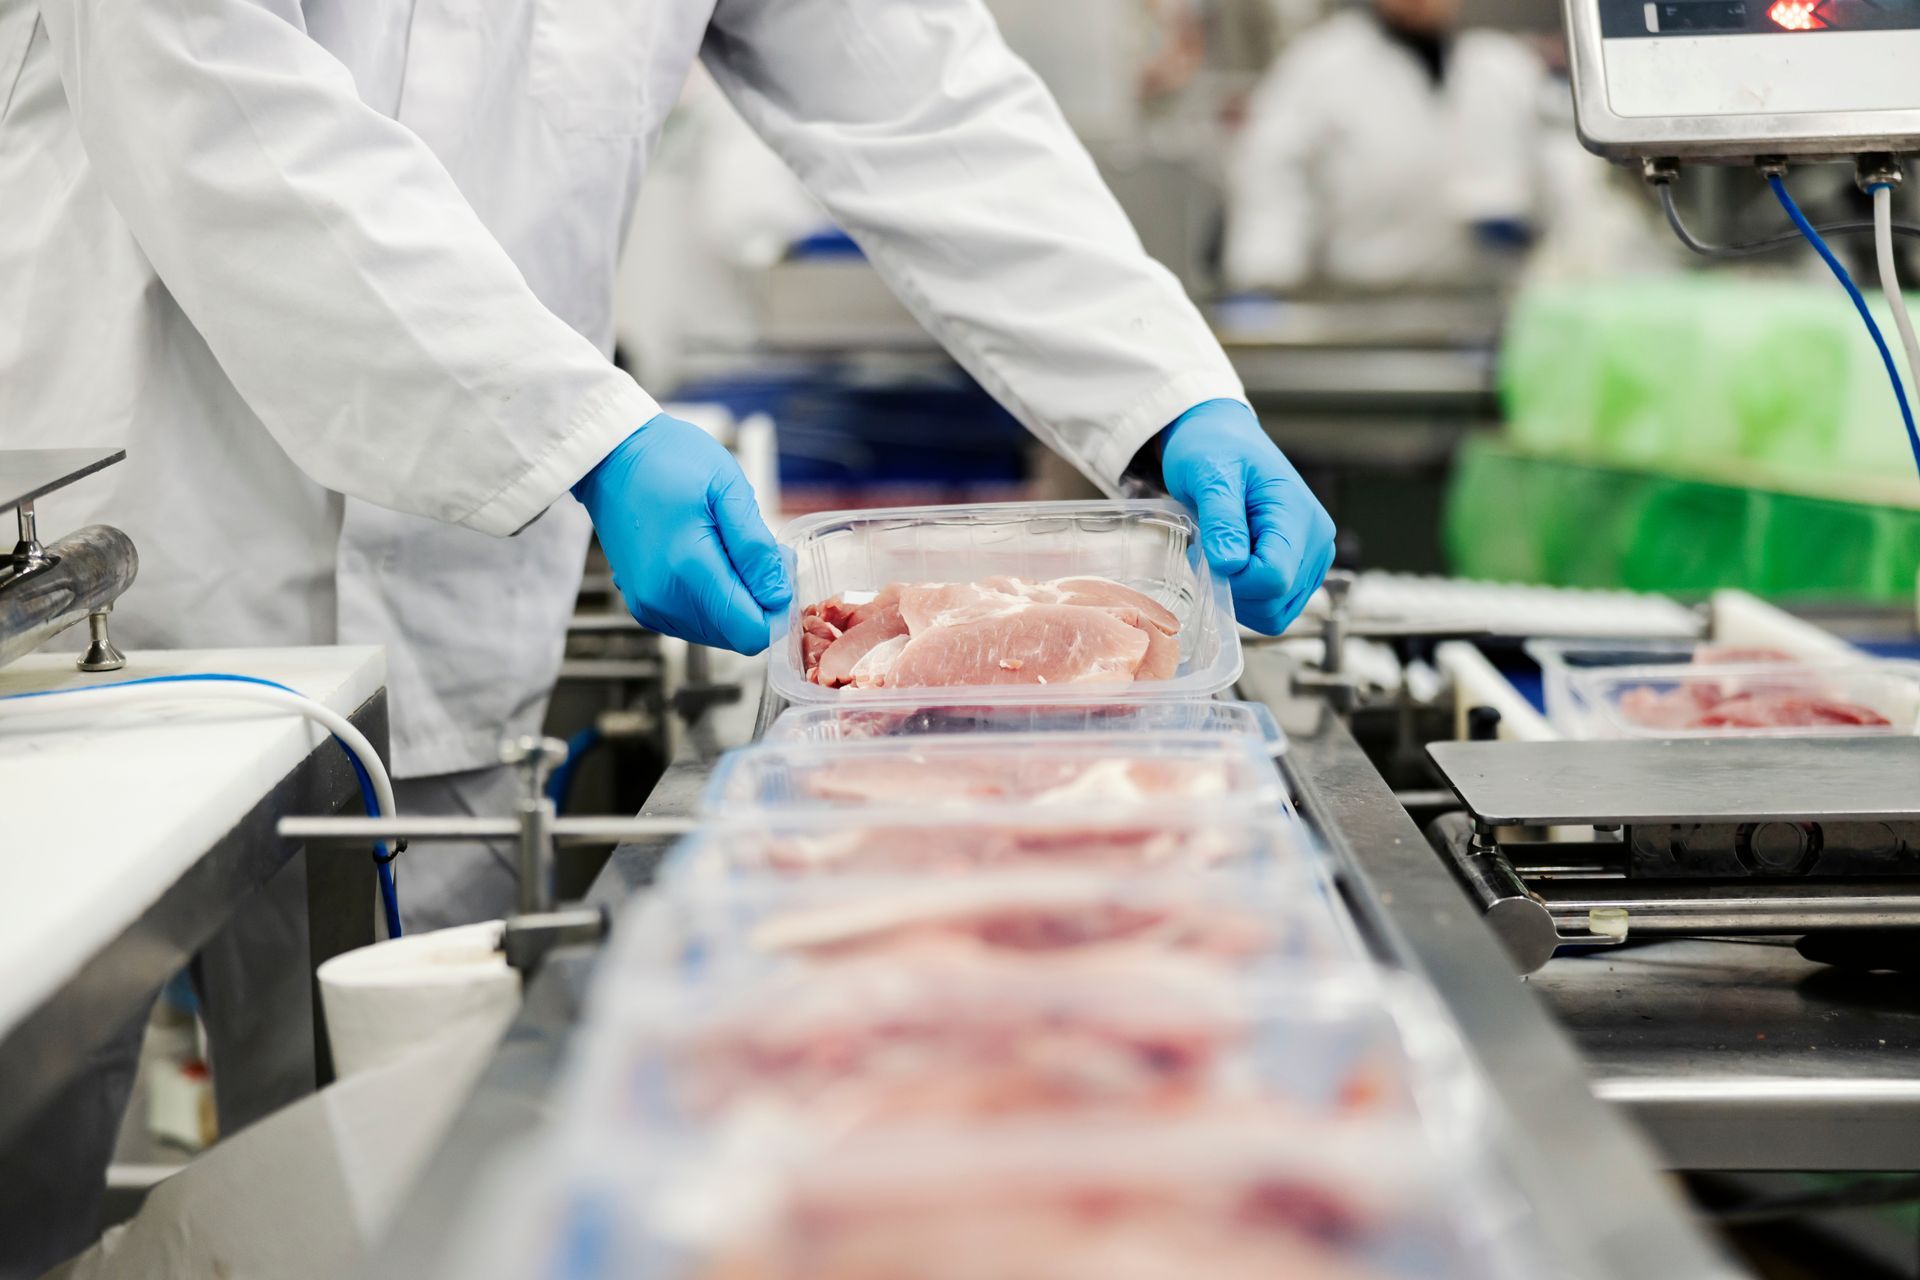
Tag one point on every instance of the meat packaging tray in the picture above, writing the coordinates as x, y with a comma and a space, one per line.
1228, 1197
1757, 699
923, 716
1209, 773
692, 926
822, 842
876, 1043
1149, 546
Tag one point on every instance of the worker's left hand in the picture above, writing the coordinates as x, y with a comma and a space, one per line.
1260, 526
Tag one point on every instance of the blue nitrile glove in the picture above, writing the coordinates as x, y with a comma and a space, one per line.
683, 534
1260, 525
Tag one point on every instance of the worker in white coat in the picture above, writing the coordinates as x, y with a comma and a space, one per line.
338, 275
1387, 150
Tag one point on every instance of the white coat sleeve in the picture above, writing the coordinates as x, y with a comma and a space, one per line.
332, 266
1272, 228
943, 156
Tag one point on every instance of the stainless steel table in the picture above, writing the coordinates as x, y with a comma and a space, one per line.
1738, 1054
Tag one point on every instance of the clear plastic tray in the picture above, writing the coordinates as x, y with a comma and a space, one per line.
1560, 660
911, 718
1227, 1196
878, 1044
986, 840
693, 927
966, 772
1763, 699
1149, 545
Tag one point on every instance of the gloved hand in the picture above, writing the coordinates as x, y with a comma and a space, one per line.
1260, 525
683, 534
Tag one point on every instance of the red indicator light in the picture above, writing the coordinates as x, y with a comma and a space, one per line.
1796, 15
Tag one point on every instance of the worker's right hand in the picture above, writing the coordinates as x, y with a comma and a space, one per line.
682, 532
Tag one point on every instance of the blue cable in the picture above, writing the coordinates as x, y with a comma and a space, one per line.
560, 784
1860, 304
383, 860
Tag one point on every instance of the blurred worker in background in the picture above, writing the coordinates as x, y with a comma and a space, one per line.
339, 276
1386, 150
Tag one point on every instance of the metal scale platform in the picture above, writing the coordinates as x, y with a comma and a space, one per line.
1685, 838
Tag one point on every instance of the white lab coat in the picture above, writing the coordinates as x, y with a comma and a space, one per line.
338, 273
1354, 171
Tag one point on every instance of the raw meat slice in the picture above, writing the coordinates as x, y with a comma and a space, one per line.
1786, 711
875, 668
1139, 1201
1042, 644
946, 604
885, 850
1709, 705
816, 637
1105, 592
877, 624
1031, 777
997, 631
1162, 661
871, 1041
1002, 922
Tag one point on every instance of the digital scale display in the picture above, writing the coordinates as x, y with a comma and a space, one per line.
1628, 19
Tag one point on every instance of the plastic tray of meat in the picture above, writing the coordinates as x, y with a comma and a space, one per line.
1755, 699
1024, 602
1223, 1198
986, 839
1033, 771
1285, 920
878, 1043
1565, 664
822, 725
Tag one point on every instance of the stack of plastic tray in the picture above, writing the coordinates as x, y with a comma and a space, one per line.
1678, 689
978, 983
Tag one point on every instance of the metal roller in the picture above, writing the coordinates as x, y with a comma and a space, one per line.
79, 577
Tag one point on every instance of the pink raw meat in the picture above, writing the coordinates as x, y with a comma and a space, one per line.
1030, 777
1787, 711
816, 637
1038, 644
872, 1042
1150, 1207
877, 623
1093, 592
997, 631
945, 604
1088, 926
966, 848
1700, 707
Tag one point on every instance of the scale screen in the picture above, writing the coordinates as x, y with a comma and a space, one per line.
1734, 79
1644, 19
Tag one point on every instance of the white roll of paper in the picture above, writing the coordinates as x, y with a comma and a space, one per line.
385, 1000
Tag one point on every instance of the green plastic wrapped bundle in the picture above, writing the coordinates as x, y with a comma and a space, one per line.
1692, 433
1515, 517
1711, 376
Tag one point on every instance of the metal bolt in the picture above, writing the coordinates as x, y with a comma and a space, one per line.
536, 757
101, 654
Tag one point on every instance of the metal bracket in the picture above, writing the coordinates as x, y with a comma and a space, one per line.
536, 928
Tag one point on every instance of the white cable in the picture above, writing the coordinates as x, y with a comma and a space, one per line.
1890, 280
66, 701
